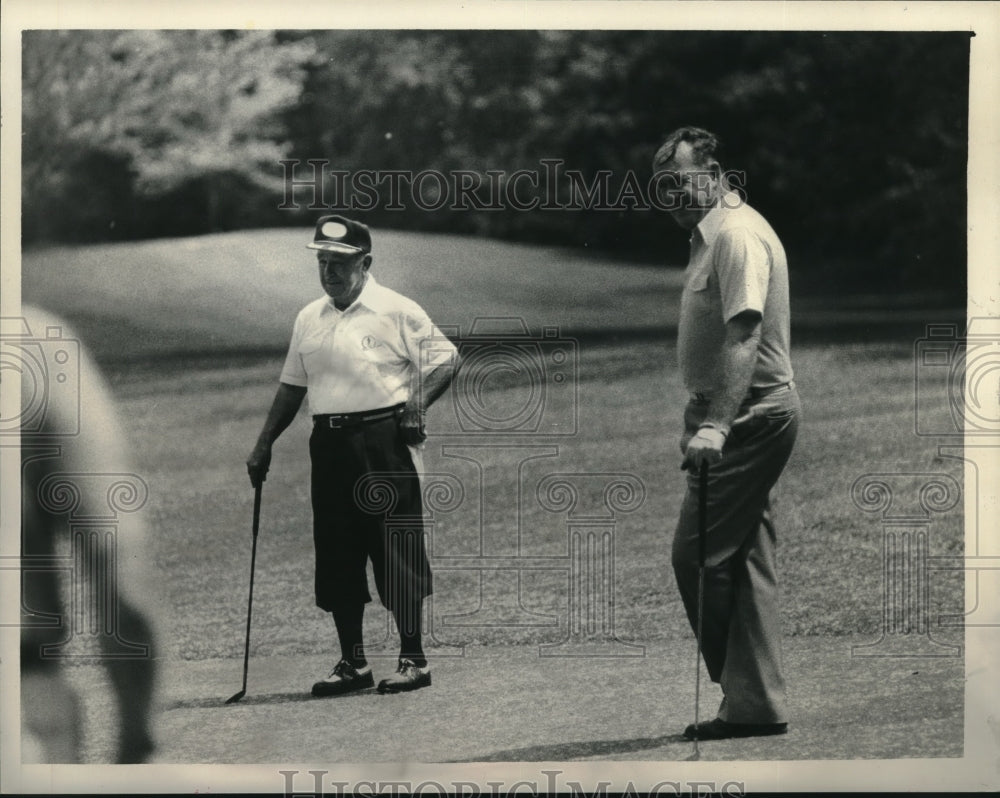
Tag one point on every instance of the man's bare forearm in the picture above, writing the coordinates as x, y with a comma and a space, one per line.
434, 384
739, 356
286, 404
431, 388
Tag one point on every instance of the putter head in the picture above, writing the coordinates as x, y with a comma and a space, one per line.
237, 697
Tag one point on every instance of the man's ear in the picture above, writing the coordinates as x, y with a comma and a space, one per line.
366, 263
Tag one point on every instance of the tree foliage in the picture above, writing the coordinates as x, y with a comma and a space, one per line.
169, 107
854, 144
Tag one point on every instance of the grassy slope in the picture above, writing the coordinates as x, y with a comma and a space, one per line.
243, 289
239, 291
191, 428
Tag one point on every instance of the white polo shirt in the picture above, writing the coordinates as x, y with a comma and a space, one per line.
737, 263
365, 357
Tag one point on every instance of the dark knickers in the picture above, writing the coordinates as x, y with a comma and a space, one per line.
347, 532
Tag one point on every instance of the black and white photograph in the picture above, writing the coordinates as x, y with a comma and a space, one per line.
499, 398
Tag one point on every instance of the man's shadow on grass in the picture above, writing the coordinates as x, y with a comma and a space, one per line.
214, 702
561, 752
537, 753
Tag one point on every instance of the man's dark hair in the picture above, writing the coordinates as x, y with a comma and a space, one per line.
704, 144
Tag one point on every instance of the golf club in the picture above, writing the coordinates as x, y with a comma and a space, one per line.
253, 561
702, 532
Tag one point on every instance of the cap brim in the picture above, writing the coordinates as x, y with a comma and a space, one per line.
333, 246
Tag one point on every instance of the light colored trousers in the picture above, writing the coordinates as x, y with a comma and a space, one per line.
741, 635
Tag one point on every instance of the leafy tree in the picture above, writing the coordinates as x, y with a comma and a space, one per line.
170, 107
853, 143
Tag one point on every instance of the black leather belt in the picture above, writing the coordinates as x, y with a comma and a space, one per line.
341, 420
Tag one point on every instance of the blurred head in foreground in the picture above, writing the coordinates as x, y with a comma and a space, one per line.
85, 588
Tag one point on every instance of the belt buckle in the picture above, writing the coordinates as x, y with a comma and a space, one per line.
335, 423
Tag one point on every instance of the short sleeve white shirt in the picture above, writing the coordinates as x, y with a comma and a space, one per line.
737, 263
370, 355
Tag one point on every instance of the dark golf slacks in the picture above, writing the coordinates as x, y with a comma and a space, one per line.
741, 635
381, 520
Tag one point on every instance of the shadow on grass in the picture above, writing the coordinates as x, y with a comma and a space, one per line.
562, 752
266, 699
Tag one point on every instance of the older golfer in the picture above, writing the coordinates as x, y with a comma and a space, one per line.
741, 419
357, 350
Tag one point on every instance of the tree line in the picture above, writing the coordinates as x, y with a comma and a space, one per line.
854, 145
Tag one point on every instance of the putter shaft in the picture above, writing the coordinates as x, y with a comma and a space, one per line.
253, 563
702, 534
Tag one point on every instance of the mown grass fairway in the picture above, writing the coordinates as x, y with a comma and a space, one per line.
192, 431
170, 319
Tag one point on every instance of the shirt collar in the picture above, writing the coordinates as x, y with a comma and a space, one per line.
709, 226
369, 297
